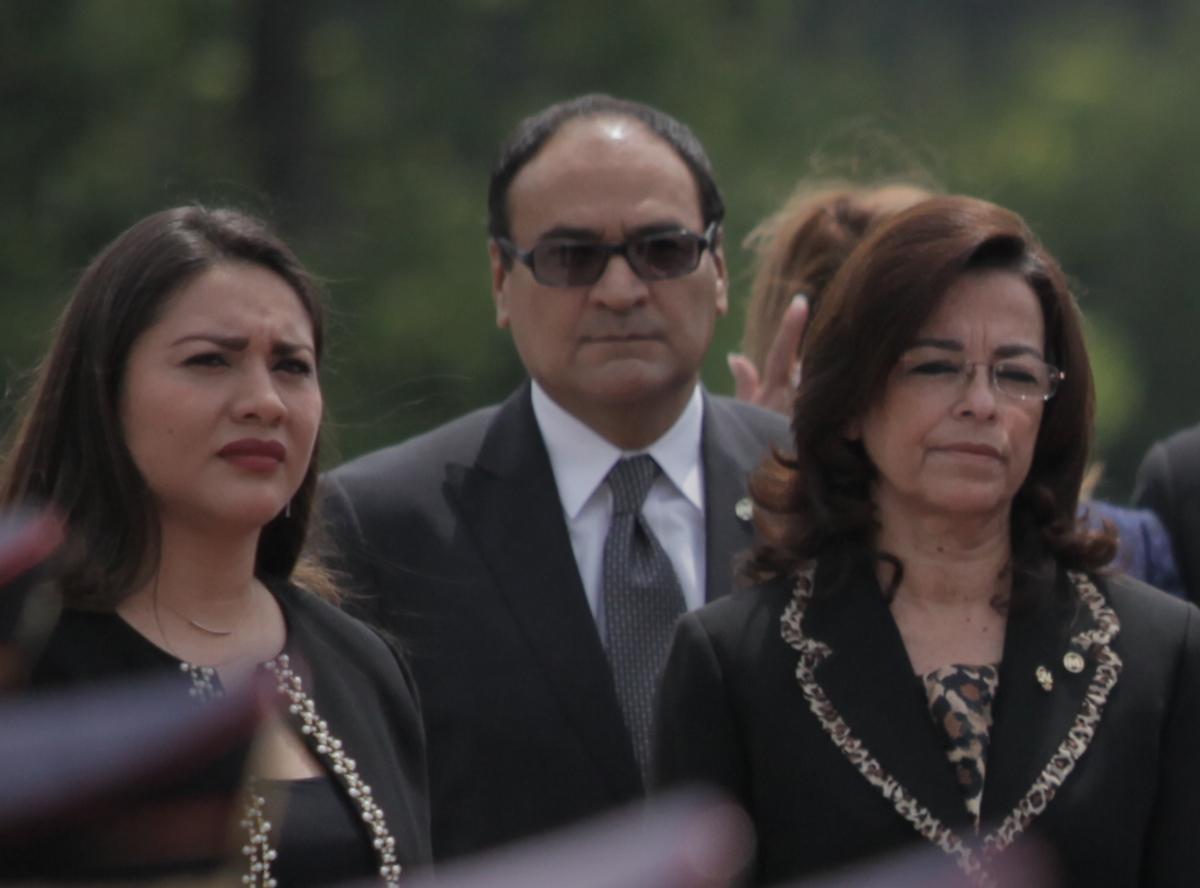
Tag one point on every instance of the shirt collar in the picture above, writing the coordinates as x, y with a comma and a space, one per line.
581, 459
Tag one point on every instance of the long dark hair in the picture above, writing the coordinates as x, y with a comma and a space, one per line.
69, 450
817, 500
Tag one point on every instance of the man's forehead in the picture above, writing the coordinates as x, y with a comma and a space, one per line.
612, 127
598, 165
588, 144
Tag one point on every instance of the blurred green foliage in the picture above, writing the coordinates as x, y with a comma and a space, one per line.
366, 132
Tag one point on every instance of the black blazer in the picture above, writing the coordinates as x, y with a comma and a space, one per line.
357, 681
1168, 482
456, 542
737, 710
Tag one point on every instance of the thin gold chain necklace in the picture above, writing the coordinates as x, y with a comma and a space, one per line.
238, 621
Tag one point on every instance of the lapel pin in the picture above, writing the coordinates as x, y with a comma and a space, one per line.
1073, 662
744, 509
1044, 678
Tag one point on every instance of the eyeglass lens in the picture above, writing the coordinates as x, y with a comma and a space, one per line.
1022, 378
1027, 380
652, 257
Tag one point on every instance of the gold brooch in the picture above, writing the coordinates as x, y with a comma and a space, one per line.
1044, 678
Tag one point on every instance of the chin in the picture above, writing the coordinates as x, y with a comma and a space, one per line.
250, 513
958, 493
966, 505
633, 381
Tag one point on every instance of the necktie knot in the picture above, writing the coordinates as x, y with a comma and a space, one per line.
630, 480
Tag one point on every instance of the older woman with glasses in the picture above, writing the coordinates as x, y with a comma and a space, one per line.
932, 650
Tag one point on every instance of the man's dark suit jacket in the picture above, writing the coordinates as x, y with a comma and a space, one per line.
735, 711
1168, 482
456, 543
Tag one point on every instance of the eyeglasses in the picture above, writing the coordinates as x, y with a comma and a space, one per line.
656, 256
1024, 377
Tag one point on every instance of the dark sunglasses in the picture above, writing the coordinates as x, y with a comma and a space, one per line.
656, 256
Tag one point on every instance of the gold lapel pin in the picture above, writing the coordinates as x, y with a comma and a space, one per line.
1073, 662
744, 509
1044, 678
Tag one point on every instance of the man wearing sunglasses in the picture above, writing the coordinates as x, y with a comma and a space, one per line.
533, 556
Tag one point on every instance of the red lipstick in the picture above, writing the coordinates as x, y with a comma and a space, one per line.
973, 449
254, 454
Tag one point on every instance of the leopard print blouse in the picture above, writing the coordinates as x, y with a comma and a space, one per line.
960, 701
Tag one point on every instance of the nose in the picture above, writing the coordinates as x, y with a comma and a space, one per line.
619, 288
978, 397
258, 397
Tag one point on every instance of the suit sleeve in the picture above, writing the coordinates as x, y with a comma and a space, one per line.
344, 550
1173, 852
697, 739
1161, 568
1168, 483
1152, 487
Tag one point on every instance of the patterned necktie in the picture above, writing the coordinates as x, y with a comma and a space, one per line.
642, 599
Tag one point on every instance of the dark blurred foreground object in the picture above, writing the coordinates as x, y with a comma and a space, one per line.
124, 781
685, 840
698, 839
1028, 864
28, 603
1168, 483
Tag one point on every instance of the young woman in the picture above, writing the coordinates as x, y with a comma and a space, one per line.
174, 424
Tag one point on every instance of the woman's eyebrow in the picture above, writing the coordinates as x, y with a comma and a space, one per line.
284, 347
241, 343
946, 344
233, 343
1001, 351
1012, 351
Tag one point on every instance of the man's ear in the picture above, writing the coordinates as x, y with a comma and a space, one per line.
501, 269
718, 257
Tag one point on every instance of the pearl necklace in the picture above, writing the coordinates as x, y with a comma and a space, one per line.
258, 850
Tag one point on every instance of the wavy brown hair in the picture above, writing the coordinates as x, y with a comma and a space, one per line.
68, 448
800, 247
817, 501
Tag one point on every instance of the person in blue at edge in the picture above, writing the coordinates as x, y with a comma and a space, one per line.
933, 652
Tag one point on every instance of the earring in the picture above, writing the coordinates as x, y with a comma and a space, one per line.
287, 510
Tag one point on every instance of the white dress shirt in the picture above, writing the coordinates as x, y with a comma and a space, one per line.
674, 507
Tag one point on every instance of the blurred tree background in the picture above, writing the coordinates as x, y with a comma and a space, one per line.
366, 132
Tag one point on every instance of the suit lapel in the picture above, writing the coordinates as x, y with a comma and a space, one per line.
868, 679
1029, 720
510, 504
730, 452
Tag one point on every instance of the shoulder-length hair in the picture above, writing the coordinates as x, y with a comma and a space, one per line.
69, 448
800, 247
817, 501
